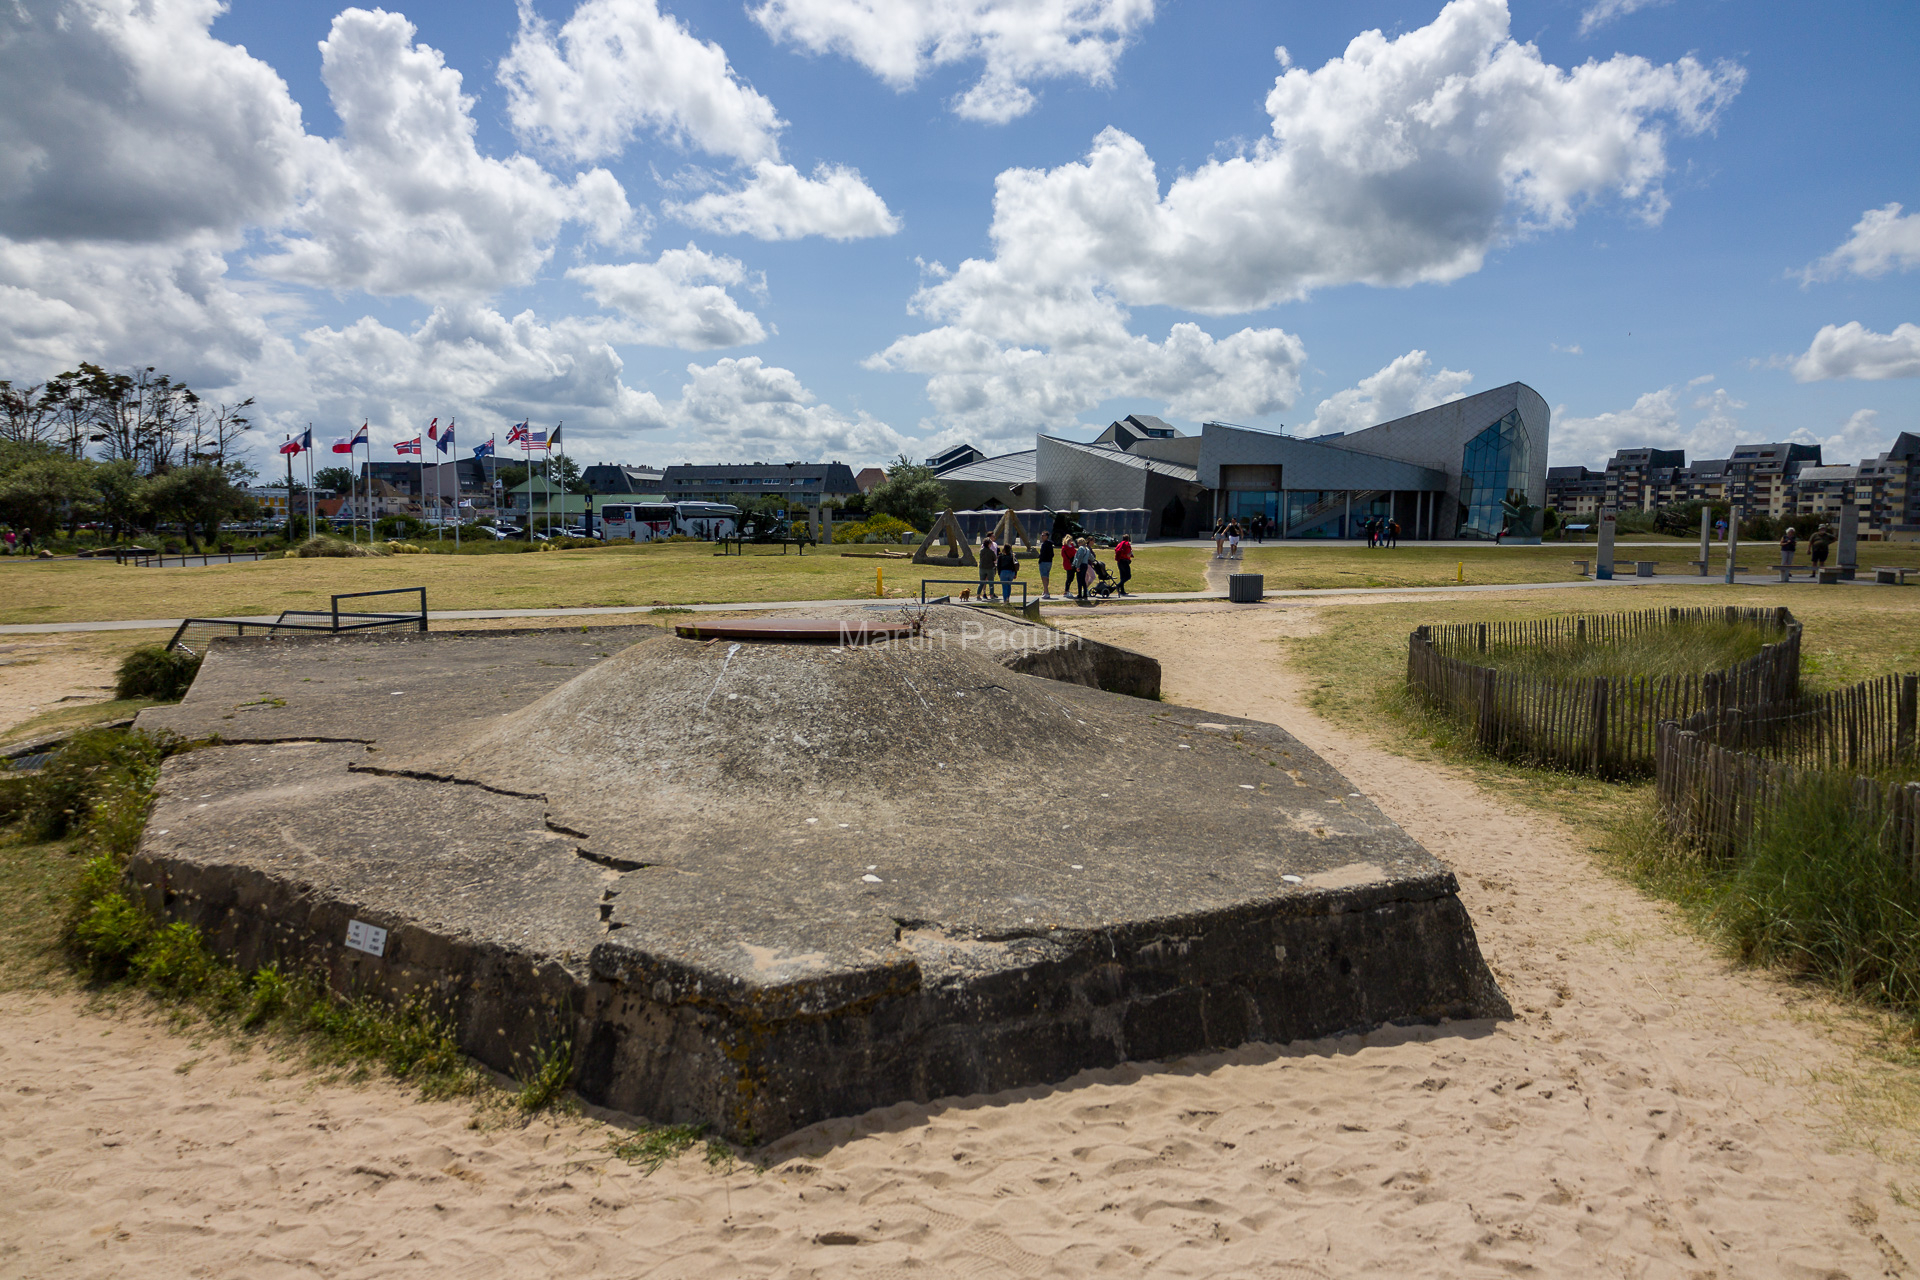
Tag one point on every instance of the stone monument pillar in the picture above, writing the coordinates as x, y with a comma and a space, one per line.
1706, 538
1733, 540
1603, 562
1849, 547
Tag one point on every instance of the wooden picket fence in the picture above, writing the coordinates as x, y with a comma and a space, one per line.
1719, 770
1606, 726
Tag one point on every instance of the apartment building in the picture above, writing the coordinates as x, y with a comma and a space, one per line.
1576, 492
1634, 477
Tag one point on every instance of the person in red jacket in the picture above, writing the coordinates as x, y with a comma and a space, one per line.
1123, 556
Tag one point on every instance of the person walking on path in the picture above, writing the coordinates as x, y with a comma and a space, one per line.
1233, 540
1817, 547
1219, 538
1082, 569
1123, 557
1789, 543
1067, 547
1046, 565
1008, 566
989, 556
1393, 533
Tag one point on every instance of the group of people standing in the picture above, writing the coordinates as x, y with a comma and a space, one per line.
1079, 566
1382, 531
1818, 545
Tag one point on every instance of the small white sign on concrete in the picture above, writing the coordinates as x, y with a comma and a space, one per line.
362, 936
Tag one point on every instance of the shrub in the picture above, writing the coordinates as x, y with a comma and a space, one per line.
154, 671
319, 545
875, 528
399, 528
97, 772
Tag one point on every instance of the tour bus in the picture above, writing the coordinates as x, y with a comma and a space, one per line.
648, 521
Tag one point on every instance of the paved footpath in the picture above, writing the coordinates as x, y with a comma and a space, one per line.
743, 606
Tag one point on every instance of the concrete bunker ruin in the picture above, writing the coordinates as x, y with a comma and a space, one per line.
760, 885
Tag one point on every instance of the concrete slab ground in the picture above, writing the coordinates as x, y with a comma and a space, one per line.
757, 885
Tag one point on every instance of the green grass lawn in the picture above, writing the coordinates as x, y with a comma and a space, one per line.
664, 573
1307, 566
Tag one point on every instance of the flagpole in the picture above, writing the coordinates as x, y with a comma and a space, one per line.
421, 454
455, 452
309, 452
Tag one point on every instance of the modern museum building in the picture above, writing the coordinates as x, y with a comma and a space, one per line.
1474, 468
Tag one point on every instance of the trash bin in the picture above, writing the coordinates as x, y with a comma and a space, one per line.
1246, 588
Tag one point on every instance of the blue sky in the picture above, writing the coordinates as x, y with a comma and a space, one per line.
840, 229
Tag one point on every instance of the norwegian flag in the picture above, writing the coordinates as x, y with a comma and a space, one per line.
408, 446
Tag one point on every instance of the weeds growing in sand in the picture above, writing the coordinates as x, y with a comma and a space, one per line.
73, 826
550, 1073
655, 1145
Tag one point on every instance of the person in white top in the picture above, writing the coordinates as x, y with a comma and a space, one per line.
1233, 540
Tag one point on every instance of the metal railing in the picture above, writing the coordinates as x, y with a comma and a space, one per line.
193, 634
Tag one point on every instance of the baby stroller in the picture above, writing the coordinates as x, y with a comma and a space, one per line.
1105, 584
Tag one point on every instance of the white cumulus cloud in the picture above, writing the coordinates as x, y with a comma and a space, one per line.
403, 202
1018, 41
1882, 241
620, 66
1601, 12
1657, 420
1406, 385
678, 300
126, 120
779, 203
1852, 350
1405, 160
472, 363
743, 408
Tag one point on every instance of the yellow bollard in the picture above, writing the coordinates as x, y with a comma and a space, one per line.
1460, 574
879, 584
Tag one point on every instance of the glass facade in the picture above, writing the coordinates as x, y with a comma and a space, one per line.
1245, 505
1493, 482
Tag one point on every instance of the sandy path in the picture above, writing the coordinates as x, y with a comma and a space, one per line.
1650, 1113
41, 675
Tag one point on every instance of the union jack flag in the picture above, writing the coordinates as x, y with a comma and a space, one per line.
408, 446
517, 434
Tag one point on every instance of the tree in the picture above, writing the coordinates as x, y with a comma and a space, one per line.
199, 497
27, 413
910, 492
120, 493
510, 475
338, 479
41, 485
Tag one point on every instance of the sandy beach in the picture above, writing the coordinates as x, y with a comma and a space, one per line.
1650, 1112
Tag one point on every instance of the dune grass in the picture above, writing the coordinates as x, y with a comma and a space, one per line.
1813, 897
1680, 649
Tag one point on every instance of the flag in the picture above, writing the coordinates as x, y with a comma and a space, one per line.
538, 440
306, 440
518, 435
343, 445
553, 441
360, 436
408, 446
292, 446
484, 449
446, 438
433, 429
